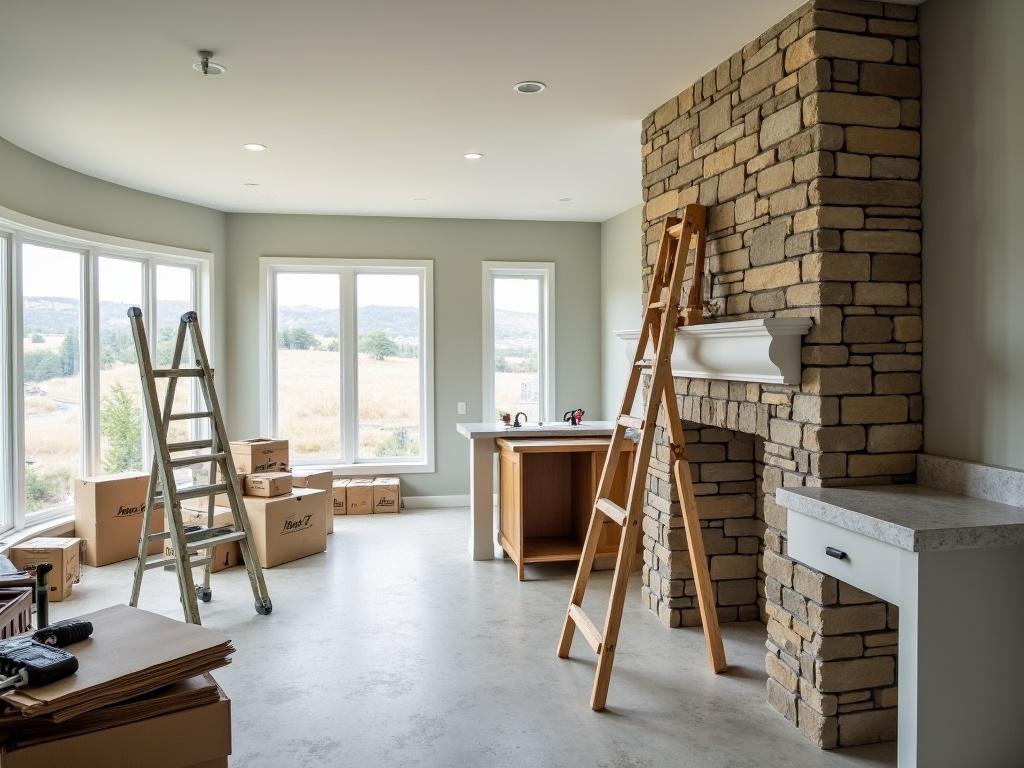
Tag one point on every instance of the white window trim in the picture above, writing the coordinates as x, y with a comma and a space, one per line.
17, 229
348, 463
545, 270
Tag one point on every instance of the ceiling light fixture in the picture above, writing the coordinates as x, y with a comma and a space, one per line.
419, 199
473, 156
252, 183
206, 66
529, 87
565, 199
255, 147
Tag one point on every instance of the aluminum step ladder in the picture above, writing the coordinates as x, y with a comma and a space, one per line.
661, 317
195, 547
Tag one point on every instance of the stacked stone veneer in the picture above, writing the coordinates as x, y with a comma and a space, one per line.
805, 145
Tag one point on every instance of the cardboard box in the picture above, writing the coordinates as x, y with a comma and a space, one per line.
198, 736
260, 454
226, 555
359, 495
319, 480
62, 554
339, 497
285, 528
386, 495
108, 517
267, 484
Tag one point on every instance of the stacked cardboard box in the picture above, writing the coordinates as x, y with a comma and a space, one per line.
320, 480
364, 496
62, 554
108, 517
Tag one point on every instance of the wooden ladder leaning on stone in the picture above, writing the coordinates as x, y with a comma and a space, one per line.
661, 318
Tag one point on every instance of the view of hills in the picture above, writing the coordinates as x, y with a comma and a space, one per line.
56, 315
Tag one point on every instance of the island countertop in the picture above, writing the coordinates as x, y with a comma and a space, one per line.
492, 429
911, 517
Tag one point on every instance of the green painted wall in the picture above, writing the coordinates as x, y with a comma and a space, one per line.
621, 300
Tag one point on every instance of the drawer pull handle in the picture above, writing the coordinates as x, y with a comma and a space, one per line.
838, 554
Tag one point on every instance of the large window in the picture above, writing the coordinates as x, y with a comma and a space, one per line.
518, 334
73, 404
347, 352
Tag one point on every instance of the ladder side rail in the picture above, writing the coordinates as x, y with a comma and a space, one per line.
234, 493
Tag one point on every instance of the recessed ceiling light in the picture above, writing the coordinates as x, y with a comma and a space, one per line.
419, 199
252, 183
255, 147
529, 87
472, 156
206, 66
565, 199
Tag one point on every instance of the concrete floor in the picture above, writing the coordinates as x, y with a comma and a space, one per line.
395, 649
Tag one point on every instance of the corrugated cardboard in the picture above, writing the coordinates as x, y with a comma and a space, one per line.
359, 495
62, 554
108, 517
226, 555
259, 454
320, 480
286, 528
386, 495
267, 484
187, 738
339, 497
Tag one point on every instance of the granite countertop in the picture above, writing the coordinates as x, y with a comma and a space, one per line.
485, 429
911, 517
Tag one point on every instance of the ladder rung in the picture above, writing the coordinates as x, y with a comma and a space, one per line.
178, 373
199, 491
656, 305
195, 546
196, 415
586, 627
612, 511
631, 422
186, 461
189, 445
191, 536
643, 364
160, 561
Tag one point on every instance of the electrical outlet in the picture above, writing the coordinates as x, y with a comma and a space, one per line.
461, 408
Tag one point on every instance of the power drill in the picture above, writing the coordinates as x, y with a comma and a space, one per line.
41, 659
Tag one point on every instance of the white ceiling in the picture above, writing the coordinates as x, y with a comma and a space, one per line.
365, 104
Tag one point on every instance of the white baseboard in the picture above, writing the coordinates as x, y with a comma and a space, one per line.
435, 502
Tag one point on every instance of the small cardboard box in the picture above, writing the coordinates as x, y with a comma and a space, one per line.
386, 495
62, 554
260, 454
108, 517
320, 480
226, 555
339, 494
285, 528
267, 484
197, 736
359, 496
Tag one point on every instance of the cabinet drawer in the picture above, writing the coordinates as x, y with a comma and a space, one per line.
868, 564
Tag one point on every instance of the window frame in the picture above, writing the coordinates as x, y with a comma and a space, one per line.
347, 269
545, 272
17, 230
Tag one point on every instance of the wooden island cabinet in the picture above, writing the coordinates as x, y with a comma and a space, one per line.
547, 489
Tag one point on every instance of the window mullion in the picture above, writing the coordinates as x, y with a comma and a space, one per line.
89, 364
17, 385
349, 369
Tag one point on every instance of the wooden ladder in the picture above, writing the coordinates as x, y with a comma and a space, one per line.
661, 317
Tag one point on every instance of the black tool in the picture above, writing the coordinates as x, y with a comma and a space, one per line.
42, 594
518, 423
41, 659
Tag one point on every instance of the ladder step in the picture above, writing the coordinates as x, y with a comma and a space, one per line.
586, 627
199, 491
196, 415
612, 511
178, 373
189, 445
643, 364
631, 422
213, 541
160, 561
186, 461
657, 305
196, 535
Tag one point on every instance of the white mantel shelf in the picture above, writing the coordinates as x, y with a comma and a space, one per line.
763, 351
